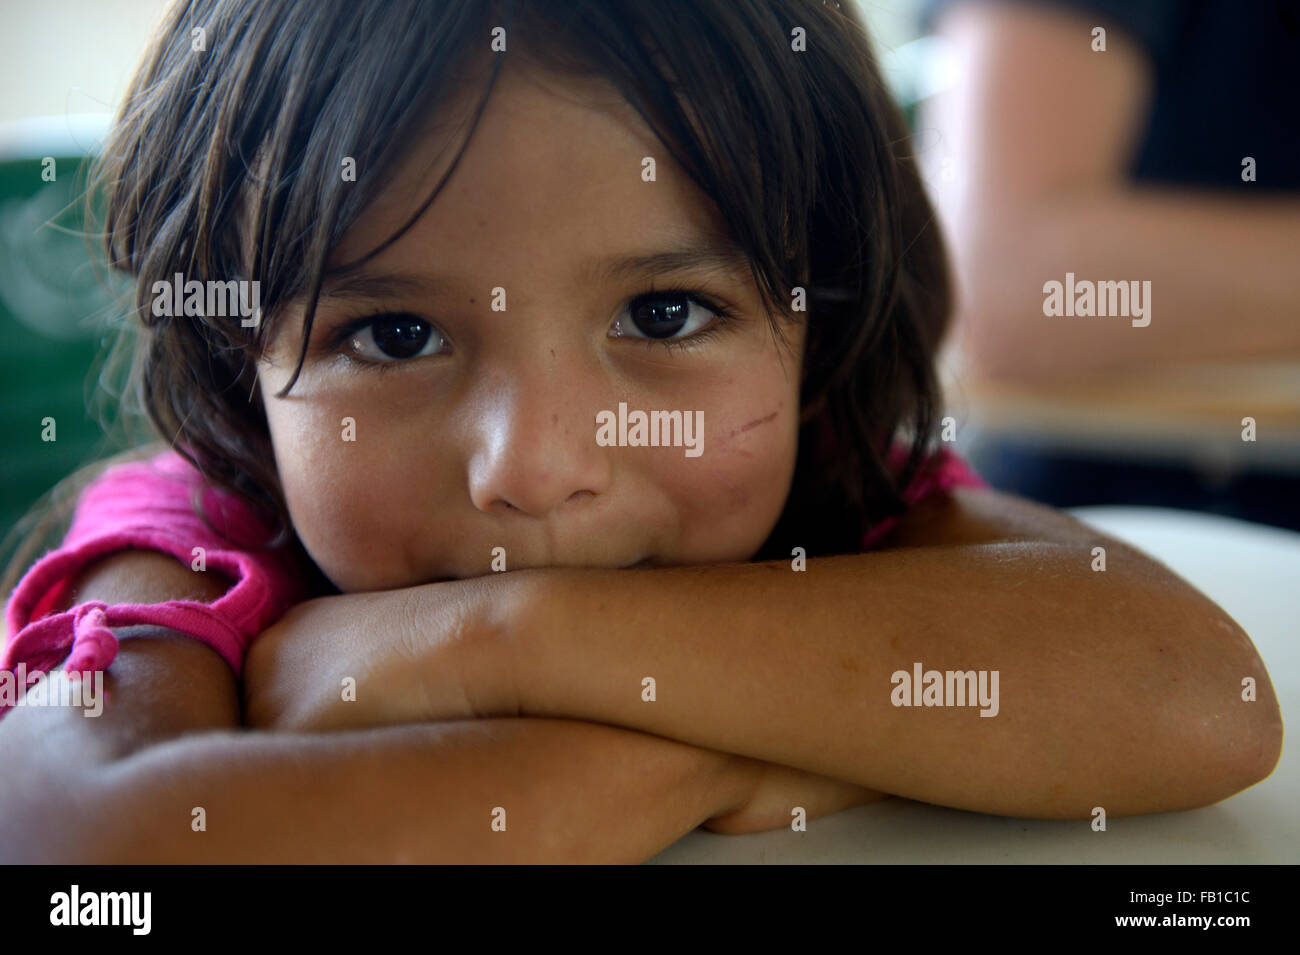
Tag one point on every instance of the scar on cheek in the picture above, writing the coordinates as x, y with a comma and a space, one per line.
753, 424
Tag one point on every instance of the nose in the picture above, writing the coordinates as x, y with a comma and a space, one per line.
536, 448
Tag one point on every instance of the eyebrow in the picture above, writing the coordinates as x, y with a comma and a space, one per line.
707, 255
720, 257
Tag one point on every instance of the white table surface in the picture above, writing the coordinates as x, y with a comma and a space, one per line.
1250, 570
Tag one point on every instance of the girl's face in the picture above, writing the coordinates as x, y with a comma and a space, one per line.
464, 416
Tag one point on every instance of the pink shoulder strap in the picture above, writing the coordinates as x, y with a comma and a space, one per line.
944, 471
149, 505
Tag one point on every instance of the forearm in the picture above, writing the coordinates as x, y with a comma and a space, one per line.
570, 791
297, 672
1116, 689
1220, 272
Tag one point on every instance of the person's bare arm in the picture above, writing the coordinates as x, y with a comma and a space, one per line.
1114, 684
1037, 135
401, 650
122, 788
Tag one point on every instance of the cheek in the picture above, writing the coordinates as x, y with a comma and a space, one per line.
729, 498
347, 499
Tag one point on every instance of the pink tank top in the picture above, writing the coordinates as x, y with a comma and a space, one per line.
149, 505
946, 471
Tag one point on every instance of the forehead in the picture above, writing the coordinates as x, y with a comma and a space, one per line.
559, 171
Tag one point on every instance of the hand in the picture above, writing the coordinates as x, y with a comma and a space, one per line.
382, 658
778, 789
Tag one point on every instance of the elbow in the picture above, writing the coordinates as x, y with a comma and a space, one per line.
67, 821
1239, 729
65, 810
1231, 742
1243, 752
1208, 761
1195, 698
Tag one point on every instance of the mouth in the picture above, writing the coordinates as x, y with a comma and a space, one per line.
638, 565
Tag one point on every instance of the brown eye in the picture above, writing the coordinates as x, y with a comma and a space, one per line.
391, 338
664, 315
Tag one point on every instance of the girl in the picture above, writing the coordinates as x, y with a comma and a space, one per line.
478, 230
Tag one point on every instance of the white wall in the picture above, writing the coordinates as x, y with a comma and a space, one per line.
60, 57
70, 56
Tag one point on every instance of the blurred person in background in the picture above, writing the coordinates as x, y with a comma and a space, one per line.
1090, 141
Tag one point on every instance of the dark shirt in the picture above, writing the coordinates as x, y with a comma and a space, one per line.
1227, 85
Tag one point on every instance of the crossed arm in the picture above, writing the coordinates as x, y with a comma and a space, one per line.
1119, 688
772, 690
167, 772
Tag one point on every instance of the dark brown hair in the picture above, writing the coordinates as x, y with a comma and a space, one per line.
224, 163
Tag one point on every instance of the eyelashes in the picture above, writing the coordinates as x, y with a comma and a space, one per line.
724, 316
